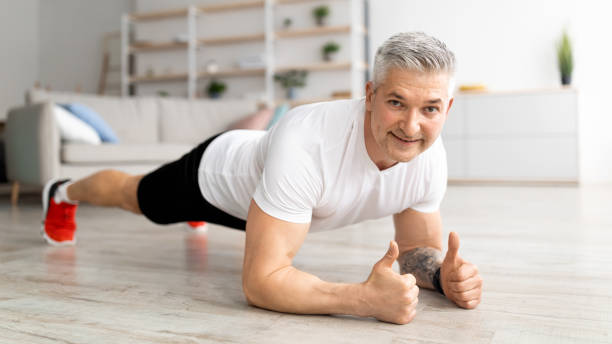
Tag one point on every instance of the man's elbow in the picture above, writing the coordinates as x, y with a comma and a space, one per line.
253, 291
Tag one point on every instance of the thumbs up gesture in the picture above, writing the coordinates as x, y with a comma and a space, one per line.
459, 278
390, 297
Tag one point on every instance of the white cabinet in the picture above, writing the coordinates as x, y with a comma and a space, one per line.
513, 136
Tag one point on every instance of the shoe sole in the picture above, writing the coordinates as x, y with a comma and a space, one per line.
45, 200
196, 230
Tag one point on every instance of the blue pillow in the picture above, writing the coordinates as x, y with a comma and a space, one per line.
279, 112
92, 118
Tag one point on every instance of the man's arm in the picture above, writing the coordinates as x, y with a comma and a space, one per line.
270, 281
419, 237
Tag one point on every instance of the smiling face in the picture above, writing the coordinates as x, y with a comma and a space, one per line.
405, 115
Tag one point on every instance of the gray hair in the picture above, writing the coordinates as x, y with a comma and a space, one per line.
415, 51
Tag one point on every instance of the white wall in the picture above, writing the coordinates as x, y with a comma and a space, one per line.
71, 33
510, 45
19, 53
593, 78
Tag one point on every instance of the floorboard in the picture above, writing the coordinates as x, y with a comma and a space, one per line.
544, 254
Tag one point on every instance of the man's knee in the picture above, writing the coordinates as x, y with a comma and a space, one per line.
130, 194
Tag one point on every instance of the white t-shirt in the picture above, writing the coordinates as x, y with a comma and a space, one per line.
312, 166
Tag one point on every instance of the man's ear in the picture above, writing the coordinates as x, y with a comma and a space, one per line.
450, 104
369, 95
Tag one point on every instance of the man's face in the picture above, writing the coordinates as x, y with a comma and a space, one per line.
405, 114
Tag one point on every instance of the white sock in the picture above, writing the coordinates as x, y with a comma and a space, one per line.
61, 194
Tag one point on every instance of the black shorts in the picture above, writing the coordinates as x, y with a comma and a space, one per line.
172, 194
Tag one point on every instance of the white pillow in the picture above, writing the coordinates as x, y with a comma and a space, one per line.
72, 129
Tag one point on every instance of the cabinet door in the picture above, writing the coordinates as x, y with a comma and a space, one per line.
455, 157
519, 115
533, 158
455, 122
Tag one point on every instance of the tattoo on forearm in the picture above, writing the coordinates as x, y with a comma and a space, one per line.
422, 262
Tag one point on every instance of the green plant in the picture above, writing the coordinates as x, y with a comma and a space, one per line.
564, 55
328, 49
320, 13
287, 22
292, 78
215, 88
163, 93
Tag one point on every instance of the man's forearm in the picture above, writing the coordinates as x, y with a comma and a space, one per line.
293, 291
422, 262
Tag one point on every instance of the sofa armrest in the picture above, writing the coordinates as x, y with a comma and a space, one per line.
32, 143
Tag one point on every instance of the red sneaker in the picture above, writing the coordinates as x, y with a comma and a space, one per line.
198, 226
58, 225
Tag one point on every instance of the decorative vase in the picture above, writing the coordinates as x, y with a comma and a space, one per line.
566, 80
214, 95
320, 21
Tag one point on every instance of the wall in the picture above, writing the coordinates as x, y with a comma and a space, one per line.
70, 38
593, 75
19, 55
510, 45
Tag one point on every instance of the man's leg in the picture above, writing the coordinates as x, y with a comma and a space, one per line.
108, 188
60, 198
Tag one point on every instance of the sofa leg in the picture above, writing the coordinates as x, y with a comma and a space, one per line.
14, 193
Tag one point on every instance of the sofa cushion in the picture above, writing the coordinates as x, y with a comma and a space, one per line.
72, 129
134, 120
257, 121
193, 121
92, 118
122, 153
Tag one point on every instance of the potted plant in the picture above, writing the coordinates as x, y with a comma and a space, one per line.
215, 88
320, 13
287, 23
565, 59
290, 80
329, 49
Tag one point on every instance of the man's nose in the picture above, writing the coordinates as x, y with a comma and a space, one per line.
411, 125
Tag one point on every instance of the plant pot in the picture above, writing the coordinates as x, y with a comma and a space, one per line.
566, 80
214, 95
321, 21
291, 93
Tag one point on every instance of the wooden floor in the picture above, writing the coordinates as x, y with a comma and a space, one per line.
545, 254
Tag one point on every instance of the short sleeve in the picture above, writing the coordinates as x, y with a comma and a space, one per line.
436, 186
291, 182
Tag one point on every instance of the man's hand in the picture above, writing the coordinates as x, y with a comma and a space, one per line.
459, 278
391, 297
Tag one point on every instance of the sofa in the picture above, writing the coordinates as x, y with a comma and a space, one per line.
151, 132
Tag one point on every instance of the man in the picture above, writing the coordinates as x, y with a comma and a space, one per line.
322, 166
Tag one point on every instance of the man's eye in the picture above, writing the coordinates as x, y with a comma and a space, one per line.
395, 103
431, 109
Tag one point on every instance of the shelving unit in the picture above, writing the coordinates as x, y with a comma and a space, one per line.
270, 36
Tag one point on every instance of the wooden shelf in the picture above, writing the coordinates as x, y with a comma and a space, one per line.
320, 66
232, 6
182, 12
163, 46
157, 15
298, 102
158, 78
315, 31
144, 48
289, 2
232, 39
234, 72
183, 76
